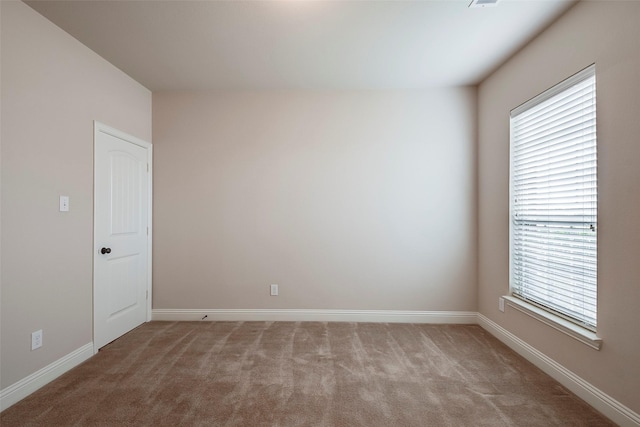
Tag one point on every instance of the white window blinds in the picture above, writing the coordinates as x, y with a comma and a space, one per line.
554, 200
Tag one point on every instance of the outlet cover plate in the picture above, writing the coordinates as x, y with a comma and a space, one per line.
36, 339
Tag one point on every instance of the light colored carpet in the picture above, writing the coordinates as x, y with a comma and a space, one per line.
304, 374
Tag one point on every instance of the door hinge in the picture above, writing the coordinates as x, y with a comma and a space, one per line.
147, 231
147, 294
147, 167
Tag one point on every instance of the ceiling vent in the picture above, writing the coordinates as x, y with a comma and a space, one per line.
483, 3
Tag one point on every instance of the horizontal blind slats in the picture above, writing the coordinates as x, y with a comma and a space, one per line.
557, 299
554, 202
574, 264
567, 125
579, 167
549, 103
587, 317
557, 153
585, 271
560, 111
585, 252
562, 295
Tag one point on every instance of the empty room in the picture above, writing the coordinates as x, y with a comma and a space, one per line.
320, 213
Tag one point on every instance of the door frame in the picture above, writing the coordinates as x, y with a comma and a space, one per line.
99, 127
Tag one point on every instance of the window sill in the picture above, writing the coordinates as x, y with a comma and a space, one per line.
574, 331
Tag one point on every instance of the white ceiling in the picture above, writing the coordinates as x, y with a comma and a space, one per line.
289, 44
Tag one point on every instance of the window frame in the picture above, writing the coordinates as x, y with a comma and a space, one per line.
548, 315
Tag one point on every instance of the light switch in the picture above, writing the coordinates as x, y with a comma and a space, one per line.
64, 203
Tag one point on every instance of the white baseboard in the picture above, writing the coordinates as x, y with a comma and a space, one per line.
616, 411
33, 382
377, 316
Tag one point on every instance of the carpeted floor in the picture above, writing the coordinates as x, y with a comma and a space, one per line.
304, 374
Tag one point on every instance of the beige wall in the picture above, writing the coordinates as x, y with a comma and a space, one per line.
607, 33
347, 200
52, 89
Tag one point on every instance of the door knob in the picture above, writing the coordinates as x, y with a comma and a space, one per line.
105, 251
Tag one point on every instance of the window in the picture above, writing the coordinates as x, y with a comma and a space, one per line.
554, 200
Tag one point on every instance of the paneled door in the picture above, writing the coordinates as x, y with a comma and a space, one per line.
122, 239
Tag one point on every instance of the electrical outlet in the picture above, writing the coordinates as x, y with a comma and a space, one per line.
274, 290
501, 304
36, 339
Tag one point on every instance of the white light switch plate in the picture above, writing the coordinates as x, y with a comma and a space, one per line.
64, 203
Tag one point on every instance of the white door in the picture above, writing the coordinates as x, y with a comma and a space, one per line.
122, 250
